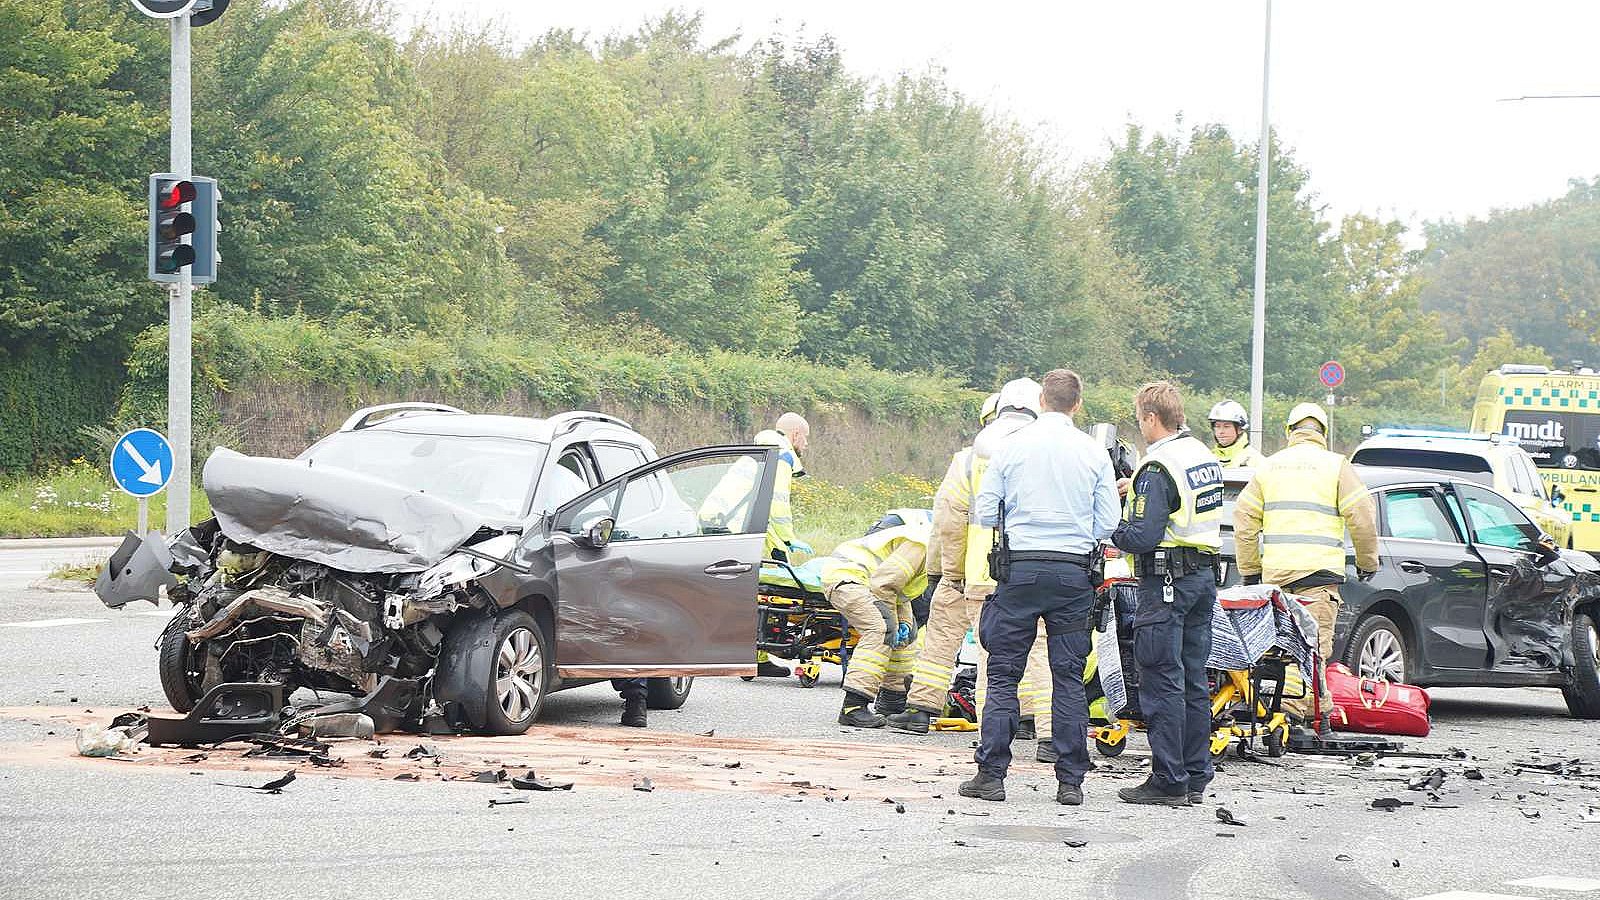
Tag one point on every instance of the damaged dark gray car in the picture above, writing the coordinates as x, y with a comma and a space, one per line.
455, 568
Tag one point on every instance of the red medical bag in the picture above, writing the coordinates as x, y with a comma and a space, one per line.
1370, 706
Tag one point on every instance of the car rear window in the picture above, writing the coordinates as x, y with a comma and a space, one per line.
1475, 468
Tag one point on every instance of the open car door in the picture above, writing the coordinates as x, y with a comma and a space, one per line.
656, 569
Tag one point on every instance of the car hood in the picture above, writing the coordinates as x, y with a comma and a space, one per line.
341, 519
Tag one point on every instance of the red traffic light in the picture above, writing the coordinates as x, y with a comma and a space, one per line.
174, 194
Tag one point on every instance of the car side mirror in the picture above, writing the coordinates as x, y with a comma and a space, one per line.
596, 533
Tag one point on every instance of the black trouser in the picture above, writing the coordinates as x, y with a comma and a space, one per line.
1059, 593
630, 688
1171, 643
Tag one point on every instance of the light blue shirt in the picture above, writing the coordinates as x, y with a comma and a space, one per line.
1058, 486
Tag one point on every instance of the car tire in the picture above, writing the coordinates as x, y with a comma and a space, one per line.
182, 688
517, 677
1378, 649
1583, 693
668, 693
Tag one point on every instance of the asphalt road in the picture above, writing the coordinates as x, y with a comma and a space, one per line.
94, 828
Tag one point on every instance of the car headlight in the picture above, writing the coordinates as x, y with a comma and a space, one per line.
459, 567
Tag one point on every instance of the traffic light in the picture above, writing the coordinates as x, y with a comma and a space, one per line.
183, 228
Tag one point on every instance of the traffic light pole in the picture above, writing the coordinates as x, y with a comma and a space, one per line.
180, 301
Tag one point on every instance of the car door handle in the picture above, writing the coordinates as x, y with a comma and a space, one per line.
1411, 565
727, 568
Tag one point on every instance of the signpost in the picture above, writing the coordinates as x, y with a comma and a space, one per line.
1331, 375
142, 464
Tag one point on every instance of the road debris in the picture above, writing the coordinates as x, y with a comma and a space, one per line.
1432, 780
495, 801
644, 784
275, 786
1226, 817
97, 741
532, 782
1390, 804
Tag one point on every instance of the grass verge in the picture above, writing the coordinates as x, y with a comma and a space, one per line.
76, 500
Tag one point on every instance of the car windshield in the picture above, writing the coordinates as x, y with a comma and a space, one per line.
1472, 466
488, 475
1557, 440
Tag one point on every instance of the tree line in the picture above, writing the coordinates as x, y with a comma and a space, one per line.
667, 188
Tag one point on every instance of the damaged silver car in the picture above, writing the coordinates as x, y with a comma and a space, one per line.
454, 568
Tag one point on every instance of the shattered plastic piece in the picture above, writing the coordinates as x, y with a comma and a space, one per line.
874, 776
1075, 844
899, 807
270, 745
1344, 857
339, 725
1390, 804
226, 711
488, 776
1473, 774
194, 757
326, 762
1226, 817
1432, 780
1530, 813
731, 765
93, 740
407, 776
379, 753
711, 733
532, 782
644, 784
275, 786
422, 751
495, 801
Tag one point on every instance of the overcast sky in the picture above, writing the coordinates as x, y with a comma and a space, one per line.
1393, 106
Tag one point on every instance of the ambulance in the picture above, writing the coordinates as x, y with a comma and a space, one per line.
1555, 416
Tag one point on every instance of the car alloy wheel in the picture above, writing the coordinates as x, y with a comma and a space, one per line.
519, 675
1594, 642
1383, 656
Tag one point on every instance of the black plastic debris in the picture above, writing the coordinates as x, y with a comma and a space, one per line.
1075, 844
324, 761
1390, 804
226, 711
407, 776
495, 801
276, 745
899, 807
487, 776
275, 786
874, 776
644, 784
422, 751
195, 757
532, 782
1432, 780
1473, 774
1530, 813
379, 753
1226, 817
1344, 857
129, 720
711, 733
731, 765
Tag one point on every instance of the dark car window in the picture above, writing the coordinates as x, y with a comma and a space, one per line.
709, 495
1556, 440
1414, 514
1496, 522
1473, 467
616, 459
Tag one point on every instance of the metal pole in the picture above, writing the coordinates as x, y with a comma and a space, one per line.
1259, 329
180, 309
144, 516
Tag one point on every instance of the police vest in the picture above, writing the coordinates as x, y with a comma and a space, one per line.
857, 560
981, 537
1197, 522
1301, 529
1240, 455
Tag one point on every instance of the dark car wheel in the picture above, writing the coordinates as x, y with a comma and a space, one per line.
1583, 694
668, 693
519, 680
1378, 650
182, 679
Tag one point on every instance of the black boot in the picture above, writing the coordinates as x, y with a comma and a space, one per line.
912, 721
1047, 752
857, 712
765, 669
984, 787
1025, 730
633, 713
1149, 793
889, 702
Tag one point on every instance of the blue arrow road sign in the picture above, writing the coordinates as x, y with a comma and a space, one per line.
141, 462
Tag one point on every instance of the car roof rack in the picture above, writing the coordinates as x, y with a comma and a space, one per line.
561, 423
363, 418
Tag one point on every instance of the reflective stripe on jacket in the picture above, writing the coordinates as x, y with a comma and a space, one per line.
891, 561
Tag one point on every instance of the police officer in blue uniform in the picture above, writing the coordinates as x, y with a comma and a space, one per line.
1051, 494
1173, 530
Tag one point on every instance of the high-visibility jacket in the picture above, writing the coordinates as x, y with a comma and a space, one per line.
1301, 510
1240, 455
1195, 472
890, 562
952, 503
980, 538
732, 496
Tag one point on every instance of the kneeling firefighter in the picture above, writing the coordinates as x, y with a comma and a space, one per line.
871, 581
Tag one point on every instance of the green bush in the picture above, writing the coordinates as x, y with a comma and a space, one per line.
47, 396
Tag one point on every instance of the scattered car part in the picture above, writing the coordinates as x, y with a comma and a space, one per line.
137, 570
226, 711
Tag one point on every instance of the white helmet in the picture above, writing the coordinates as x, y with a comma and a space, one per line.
990, 409
1023, 394
1230, 411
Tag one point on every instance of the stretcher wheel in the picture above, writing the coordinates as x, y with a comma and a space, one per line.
1277, 741
1111, 748
808, 675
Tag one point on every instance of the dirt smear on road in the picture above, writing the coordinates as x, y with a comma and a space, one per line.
586, 756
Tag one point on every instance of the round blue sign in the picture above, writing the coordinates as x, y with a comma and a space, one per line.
1332, 374
141, 462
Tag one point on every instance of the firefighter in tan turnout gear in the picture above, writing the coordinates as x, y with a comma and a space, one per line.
952, 612
872, 581
1289, 524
